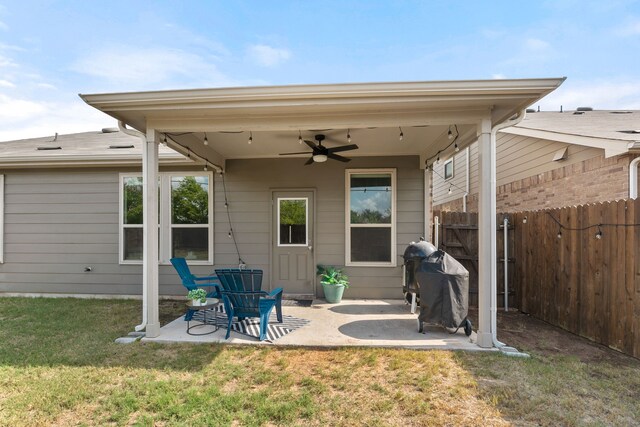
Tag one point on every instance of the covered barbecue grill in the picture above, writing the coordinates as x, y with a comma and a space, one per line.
441, 283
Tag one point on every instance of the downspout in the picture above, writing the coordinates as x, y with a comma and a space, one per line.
467, 178
494, 282
633, 178
143, 137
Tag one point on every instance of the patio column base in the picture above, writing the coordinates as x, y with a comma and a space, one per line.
484, 340
152, 330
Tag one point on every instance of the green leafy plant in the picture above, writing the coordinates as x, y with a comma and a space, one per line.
197, 294
331, 275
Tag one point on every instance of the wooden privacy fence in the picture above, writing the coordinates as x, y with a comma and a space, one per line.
582, 276
458, 236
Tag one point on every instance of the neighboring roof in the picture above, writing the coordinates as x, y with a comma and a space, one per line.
86, 148
615, 131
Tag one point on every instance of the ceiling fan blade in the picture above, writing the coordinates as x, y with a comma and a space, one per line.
336, 157
310, 161
310, 144
343, 148
291, 154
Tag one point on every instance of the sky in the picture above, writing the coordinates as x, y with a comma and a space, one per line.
52, 50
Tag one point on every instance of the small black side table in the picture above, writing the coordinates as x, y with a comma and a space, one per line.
211, 303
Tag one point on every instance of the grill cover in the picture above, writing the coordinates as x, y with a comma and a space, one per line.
415, 253
444, 290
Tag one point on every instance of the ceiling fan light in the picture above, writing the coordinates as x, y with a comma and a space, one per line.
319, 158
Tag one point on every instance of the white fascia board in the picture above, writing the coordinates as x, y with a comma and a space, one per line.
82, 161
129, 100
611, 147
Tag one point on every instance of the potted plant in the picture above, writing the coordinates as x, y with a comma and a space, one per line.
334, 282
197, 297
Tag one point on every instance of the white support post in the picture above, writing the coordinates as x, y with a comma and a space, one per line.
487, 268
150, 232
436, 229
427, 205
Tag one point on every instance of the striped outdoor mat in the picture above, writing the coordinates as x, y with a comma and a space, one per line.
251, 326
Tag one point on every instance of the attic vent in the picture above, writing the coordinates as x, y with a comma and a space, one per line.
48, 148
117, 147
110, 130
561, 154
530, 110
632, 131
620, 112
578, 113
584, 109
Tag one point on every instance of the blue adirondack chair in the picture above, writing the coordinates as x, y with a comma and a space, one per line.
191, 282
242, 296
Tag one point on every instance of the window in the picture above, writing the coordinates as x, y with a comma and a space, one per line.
292, 221
185, 225
370, 221
448, 169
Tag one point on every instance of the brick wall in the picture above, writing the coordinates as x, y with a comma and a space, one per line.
594, 180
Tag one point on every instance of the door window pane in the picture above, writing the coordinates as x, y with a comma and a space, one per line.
190, 199
190, 243
371, 244
292, 221
370, 199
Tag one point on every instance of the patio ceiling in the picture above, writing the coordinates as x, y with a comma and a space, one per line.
276, 115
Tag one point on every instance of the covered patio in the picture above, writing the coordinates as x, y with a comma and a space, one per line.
354, 322
398, 127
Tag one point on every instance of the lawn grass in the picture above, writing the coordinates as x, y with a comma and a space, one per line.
60, 366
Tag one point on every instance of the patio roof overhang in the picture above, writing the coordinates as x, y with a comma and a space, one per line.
277, 115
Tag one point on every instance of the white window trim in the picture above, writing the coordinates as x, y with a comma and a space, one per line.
1, 219
444, 169
347, 232
165, 225
306, 225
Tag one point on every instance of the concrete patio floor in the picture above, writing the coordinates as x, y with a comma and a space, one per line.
368, 323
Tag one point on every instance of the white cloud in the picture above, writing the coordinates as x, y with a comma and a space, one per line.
12, 109
599, 95
6, 62
46, 86
6, 83
3, 26
150, 67
629, 30
498, 76
536, 44
31, 119
267, 56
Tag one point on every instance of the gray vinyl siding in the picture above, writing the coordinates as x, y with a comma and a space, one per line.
517, 157
59, 221
457, 183
250, 183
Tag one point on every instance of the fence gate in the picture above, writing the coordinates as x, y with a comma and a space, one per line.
458, 236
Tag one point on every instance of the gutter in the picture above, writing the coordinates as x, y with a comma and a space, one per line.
494, 283
143, 138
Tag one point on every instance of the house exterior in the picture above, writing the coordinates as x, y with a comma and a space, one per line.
549, 160
281, 213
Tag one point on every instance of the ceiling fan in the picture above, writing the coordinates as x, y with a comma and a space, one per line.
321, 153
